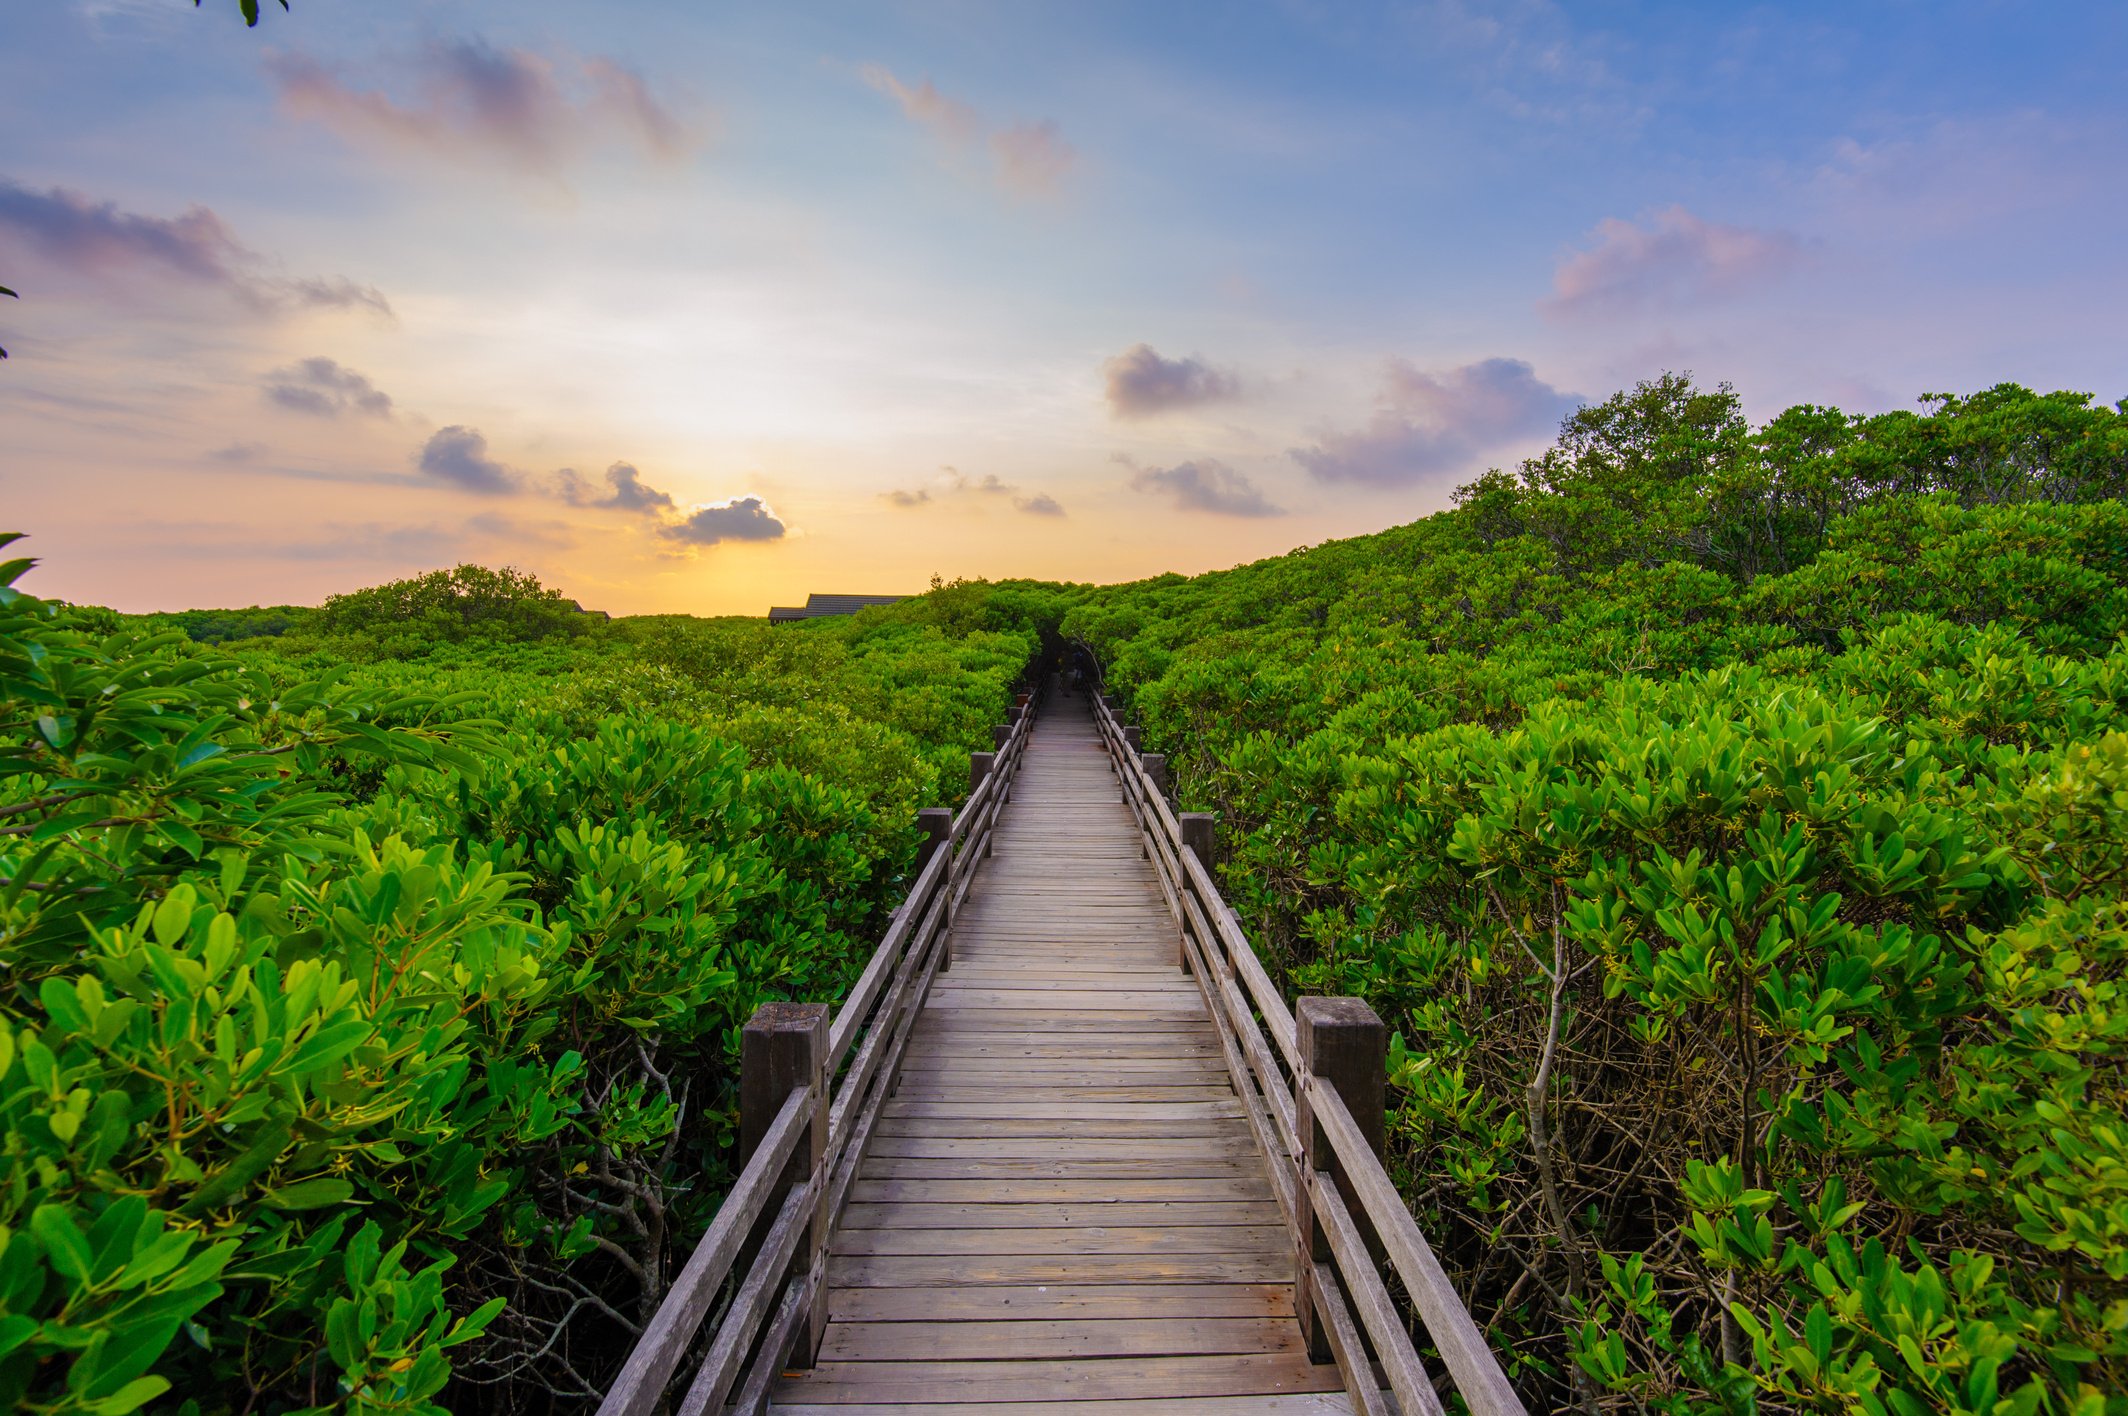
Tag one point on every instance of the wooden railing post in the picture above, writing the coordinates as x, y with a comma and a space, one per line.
1344, 1047
1198, 835
1156, 768
1131, 737
1200, 831
979, 765
784, 1046
999, 732
937, 824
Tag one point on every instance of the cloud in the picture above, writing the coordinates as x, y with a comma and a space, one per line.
1141, 383
1032, 158
458, 456
742, 519
1671, 258
76, 234
1029, 159
1430, 424
627, 491
955, 483
949, 118
330, 292
321, 386
1206, 485
475, 103
238, 453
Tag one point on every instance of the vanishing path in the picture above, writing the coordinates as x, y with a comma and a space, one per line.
1063, 1202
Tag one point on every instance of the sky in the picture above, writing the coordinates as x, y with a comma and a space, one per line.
699, 307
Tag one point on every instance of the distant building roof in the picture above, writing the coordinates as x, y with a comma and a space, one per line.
819, 606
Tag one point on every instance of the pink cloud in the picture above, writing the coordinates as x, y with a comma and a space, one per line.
1032, 158
474, 102
947, 117
1670, 258
74, 234
1028, 158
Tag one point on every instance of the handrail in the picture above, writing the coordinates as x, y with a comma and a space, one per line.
779, 1288
1257, 1030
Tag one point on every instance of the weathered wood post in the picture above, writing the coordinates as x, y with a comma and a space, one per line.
998, 733
1200, 832
1343, 1046
1199, 829
1156, 768
936, 822
783, 1047
979, 765
1131, 737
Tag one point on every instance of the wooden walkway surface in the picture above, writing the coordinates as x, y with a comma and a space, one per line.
1063, 1209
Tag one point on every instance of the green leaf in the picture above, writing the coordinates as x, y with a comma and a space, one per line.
310, 1194
130, 1397
63, 1004
265, 1149
64, 1243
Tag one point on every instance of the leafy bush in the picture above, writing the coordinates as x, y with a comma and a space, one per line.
408, 617
1730, 823
368, 1028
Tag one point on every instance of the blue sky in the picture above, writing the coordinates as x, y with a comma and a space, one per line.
701, 307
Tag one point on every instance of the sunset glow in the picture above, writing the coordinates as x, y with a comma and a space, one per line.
703, 308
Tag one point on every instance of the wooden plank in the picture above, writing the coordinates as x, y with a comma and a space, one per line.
928, 1049
1020, 1339
1242, 1163
1175, 1002
1091, 1128
1109, 1379
1200, 1190
1081, 1239
1328, 1403
1041, 1022
1128, 1096
1172, 1213
996, 1302
1240, 1148
912, 1109
1070, 1071
944, 1270
1034, 990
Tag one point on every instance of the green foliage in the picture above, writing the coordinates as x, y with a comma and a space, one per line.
407, 618
369, 996
1795, 758
225, 626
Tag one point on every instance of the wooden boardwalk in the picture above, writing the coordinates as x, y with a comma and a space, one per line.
1063, 1208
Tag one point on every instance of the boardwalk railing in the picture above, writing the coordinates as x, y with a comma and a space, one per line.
805, 1120
1313, 1084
